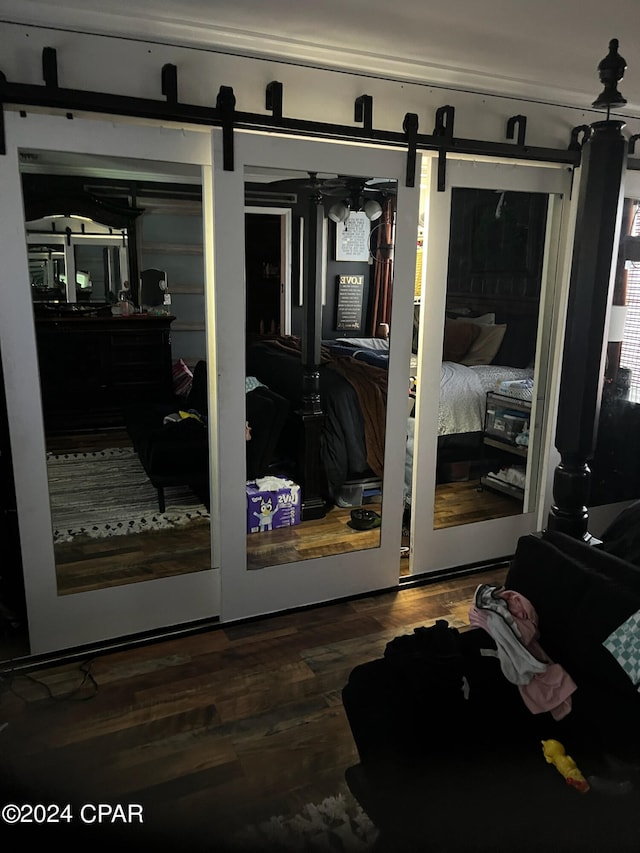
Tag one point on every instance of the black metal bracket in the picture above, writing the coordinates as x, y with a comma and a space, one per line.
521, 122
50, 67
273, 99
632, 143
225, 115
170, 83
226, 106
576, 144
445, 117
363, 111
443, 130
410, 127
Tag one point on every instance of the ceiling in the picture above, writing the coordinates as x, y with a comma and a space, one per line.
544, 50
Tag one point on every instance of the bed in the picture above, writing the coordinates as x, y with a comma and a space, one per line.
353, 390
353, 394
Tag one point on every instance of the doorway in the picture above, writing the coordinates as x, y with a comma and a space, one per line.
268, 251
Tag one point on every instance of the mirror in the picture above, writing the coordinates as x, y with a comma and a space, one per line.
494, 283
319, 281
128, 473
75, 261
615, 464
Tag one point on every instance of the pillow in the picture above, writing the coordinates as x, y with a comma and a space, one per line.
484, 349
458, 338
482, 320
182, 378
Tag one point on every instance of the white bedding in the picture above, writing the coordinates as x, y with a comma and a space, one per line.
463, 397
463, 393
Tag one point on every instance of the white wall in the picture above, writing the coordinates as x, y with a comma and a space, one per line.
107, 64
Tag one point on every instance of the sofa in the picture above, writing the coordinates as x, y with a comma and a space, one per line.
176, 452
450, 756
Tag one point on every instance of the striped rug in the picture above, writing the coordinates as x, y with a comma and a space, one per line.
107, 493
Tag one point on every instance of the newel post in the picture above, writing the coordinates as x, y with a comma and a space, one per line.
592, 276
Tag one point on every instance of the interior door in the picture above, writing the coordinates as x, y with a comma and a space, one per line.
278, 584
61, 618
478, 259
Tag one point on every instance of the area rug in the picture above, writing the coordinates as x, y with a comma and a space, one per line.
107, 493
337, 824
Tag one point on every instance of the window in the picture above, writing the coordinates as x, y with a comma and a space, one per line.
630, 351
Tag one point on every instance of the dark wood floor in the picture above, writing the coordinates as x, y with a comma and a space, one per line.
209, 732
87, 564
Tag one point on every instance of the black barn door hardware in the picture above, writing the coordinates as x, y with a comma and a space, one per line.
226, 106
577, 143
225, 115
363, 111
443, 130
50, 67
521, 122
632, 142
273, 99
170, 83
410, 127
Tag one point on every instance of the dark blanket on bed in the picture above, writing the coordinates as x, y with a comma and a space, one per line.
353, 398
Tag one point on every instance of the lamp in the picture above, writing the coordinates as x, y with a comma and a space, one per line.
617, 319
373, 209
611, 69
339, 212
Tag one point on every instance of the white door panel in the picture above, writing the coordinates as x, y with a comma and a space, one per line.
434, 549
63, 621
276, 587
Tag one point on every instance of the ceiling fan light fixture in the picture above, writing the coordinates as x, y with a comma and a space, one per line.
339, 212
373, 209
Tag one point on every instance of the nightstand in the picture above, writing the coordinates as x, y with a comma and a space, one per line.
506, 424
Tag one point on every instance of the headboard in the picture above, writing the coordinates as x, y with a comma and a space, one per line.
520, 316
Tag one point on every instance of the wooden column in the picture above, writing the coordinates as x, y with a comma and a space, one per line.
313, 505
592, 275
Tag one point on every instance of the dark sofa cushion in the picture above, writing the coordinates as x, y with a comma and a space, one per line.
622, 536
607, 561
581, 595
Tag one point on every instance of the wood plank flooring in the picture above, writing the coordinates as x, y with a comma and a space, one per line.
87, 564
208, 732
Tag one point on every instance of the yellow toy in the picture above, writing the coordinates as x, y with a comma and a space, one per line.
555, 754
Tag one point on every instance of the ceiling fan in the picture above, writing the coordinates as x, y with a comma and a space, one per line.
354, 193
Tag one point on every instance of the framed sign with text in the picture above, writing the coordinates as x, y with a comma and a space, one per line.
349, 301
352, 238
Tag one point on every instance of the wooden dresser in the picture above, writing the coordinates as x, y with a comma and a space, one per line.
92, 367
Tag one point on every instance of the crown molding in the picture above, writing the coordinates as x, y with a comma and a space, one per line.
208, 36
